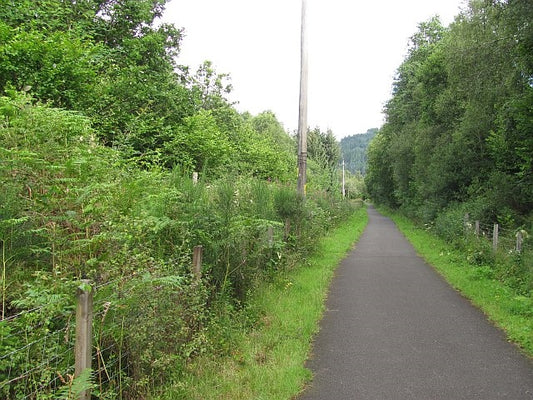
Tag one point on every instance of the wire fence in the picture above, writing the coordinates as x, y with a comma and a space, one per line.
503, 240
38, 349
141, 326
38, 344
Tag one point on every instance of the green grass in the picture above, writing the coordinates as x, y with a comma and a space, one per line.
503, 306
268, 361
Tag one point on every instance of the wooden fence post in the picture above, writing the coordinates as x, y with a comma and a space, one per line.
197, 261
287, 229
270, 236
477, 228
195, 178
495, 237
519, 240
83, 346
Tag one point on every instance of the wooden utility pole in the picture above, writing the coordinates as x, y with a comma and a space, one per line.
302, 119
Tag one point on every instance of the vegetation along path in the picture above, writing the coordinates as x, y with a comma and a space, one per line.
394, 329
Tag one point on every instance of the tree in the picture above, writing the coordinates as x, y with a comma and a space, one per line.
198, 144
378, 179
354, 151
324, 151
458, 128
103, 58
58, 67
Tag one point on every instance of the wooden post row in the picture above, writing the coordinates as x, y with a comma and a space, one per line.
83, 346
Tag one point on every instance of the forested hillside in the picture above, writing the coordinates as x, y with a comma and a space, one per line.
354, 151
101, 129
458, 137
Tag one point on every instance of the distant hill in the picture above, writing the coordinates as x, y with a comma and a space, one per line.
354, 150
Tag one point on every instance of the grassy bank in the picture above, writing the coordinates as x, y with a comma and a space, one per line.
506, 308
267, 362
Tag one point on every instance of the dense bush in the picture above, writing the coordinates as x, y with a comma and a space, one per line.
457, 129
72, 208
457, 137
101, 188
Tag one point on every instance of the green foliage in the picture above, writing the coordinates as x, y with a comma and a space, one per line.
108, 61
458, 135
288, 204
56, 67
81, 384
100, 131
354, 186
324, 155
210, 87
43, 330
379, 174
354, 151
266, 360
457, 125
268, 151
72, 208
164, 326
200, 143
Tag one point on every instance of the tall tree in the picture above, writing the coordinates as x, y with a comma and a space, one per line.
324, 151
458, 126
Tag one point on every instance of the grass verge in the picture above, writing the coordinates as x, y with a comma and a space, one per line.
267, 362
503, 306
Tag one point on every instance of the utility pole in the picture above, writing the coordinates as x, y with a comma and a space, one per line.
302, 119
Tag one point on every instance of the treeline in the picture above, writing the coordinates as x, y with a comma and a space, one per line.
458, 133
100, 132
457, 146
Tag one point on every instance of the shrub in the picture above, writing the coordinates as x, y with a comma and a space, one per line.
71, 208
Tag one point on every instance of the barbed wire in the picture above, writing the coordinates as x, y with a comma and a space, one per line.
51, 384
38, 367
22, 313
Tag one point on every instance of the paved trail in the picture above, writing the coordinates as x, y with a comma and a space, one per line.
395, 330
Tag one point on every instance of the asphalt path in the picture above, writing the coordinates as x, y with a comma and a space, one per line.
393, 329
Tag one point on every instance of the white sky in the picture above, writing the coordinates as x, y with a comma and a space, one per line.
355, 47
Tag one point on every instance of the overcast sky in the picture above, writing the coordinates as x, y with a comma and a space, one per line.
355, 47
